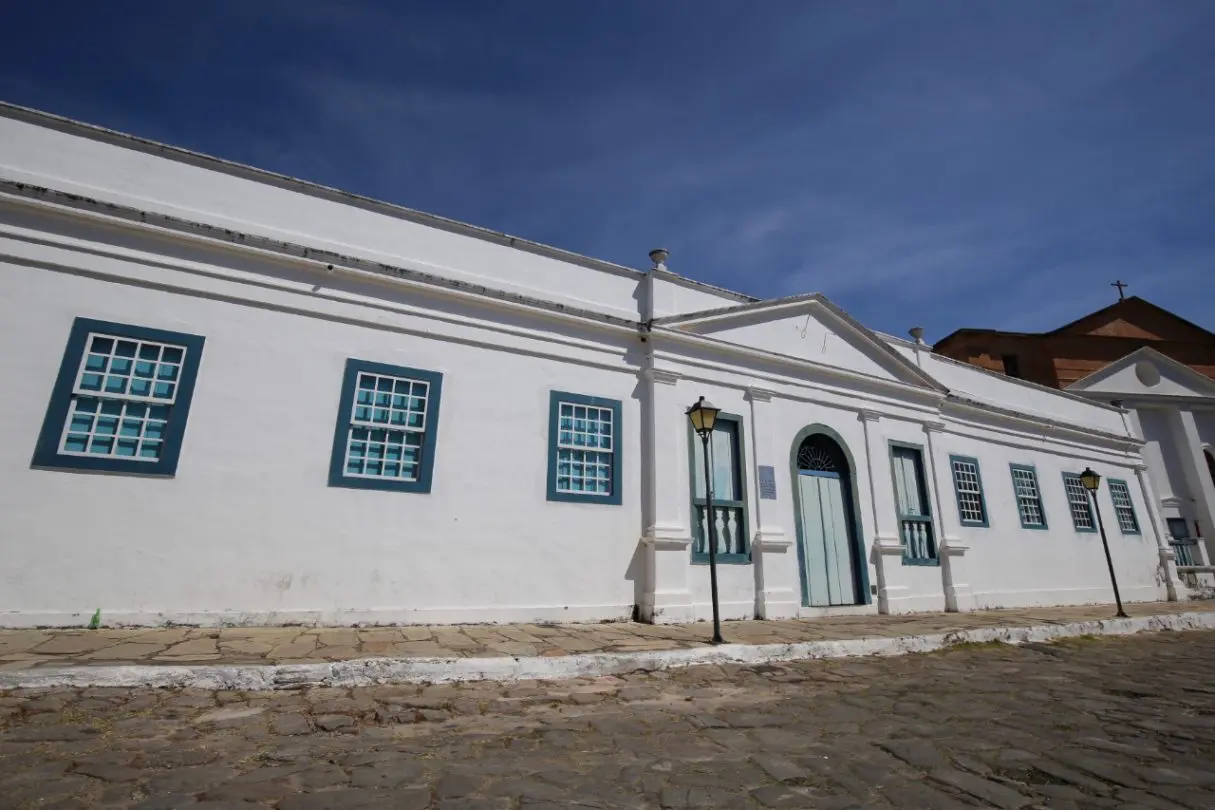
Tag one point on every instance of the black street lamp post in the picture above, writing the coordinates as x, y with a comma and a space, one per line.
703, 416
1091, 481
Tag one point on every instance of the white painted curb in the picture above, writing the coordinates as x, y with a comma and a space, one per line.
369, 671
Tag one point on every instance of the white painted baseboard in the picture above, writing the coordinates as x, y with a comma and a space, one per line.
993, 600
502, 614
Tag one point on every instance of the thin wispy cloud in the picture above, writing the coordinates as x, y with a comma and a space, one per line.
948, 164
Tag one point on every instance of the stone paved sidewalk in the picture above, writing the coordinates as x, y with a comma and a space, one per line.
1084, 724
49, 648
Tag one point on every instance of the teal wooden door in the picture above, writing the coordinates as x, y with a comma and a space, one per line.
827, 551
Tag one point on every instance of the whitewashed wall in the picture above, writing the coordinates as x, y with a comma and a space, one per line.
204, 190
1025, 397
1010, 566
248, 530
1205, 421
673, 295
1161, 453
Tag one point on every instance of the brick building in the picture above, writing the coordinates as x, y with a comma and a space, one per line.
1062, 356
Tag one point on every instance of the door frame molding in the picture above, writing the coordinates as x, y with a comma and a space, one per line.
860, 569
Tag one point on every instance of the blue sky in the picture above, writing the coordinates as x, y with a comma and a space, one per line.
949, 164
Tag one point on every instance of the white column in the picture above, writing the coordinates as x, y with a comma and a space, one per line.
668, 537
1198, 478
1168, 563
777, 593
887, 552
951, 549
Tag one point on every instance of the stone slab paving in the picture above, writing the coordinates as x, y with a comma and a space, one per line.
31, 649
1084, 723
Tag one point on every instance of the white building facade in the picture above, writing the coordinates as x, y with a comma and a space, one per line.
238, 398
1172, 408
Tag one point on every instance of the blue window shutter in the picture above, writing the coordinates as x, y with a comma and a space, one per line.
727, 455
968, 490
387, 428
121, 400
585, 449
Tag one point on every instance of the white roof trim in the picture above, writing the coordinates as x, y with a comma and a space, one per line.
796, 303
929, 386
289, 183
1201, 381
322, 261
1060, 392
735, 310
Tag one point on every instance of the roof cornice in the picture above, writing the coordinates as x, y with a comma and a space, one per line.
190, 157
692, 338
323, 261
1021, 418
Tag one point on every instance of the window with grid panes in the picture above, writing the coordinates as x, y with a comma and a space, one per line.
1078, 503
1029, 497
968, 486
121, 399
1124, 509
387, 427
584, 449
728, 519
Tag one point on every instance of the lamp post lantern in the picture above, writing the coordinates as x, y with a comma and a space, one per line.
703, 415
1091, 482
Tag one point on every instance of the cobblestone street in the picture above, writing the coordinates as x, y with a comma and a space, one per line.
1088, 723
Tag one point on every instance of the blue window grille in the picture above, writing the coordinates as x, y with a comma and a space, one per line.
912, 503
1124, 508
1029, 497
727, 452
1181, 541
387, 428
583, 449
121, 400
1078, 503
968, 486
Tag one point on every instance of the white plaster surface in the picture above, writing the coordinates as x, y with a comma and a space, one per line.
151, 182
249, 532
370, 671
1005, 392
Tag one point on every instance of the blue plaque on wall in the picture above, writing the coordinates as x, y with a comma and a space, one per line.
767, 483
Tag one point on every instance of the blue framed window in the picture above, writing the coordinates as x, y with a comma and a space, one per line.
121, 400
727, 453
387, 428
1124, 508
1029, 496
583, 449
968, 487
911, 500
1078, 503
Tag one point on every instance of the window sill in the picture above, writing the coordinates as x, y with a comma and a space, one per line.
930, 562
574, 497
383, 485
106, 465
722, 559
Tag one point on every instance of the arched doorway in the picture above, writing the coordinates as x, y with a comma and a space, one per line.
828, 550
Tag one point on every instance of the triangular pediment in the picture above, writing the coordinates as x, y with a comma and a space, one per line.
805, 327
1136, 318
1146, 372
